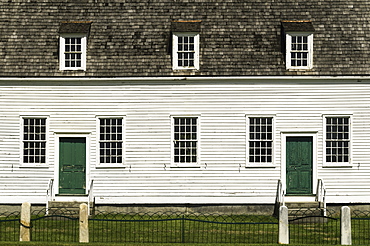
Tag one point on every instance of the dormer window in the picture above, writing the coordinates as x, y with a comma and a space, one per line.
298, 44
185, 51
299, 50
73, 45
73, 52
185, 45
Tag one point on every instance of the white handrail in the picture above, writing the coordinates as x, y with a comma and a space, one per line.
320, 194
49, 194
90, 195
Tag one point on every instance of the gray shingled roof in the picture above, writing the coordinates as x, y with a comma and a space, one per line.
132, 37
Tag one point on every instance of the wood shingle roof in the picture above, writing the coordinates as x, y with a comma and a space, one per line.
133, 37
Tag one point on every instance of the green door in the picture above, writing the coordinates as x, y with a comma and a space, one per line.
299, 165
72, 165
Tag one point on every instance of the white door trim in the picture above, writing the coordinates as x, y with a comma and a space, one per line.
56, 160
284, 136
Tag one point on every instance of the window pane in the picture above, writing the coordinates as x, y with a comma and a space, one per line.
337, 139
185, 136
260, 140
111, 140
34, 140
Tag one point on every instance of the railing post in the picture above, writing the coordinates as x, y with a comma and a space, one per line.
345, 226
283, 225
84, 223
25, 229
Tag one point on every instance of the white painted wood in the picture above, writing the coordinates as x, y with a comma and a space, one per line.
147, 176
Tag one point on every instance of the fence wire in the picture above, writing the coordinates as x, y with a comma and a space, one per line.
9, 226
360, 223
55, 226
313, 227
182, 228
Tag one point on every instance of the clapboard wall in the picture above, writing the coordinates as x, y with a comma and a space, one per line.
73, 105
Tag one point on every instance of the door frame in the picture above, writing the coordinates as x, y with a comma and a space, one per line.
56, 160
284, 136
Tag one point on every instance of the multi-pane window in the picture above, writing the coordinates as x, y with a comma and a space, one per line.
186, 51
260, 139
111, 140
185, 138
299, 51
73, 52
34, 140
337, 139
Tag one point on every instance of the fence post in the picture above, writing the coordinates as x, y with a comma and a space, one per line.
283, 225
345, 226
25, 229
84, 223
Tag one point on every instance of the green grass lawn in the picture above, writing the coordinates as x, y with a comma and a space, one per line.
174, 229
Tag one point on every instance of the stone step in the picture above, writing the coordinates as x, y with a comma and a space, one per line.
66, 208
304, 209
299, 205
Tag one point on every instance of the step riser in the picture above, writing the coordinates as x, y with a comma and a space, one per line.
59, 208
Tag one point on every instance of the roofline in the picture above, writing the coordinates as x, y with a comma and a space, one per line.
56, 79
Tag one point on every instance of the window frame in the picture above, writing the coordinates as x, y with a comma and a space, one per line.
98, 141
62, 51
46, 141
198, 152
288, 50
325, 140
175, 50
248, 140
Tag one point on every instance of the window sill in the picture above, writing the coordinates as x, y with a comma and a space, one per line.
299, 68
26, 165
185, 166
113, 166
337, 165
73, 69
260, 166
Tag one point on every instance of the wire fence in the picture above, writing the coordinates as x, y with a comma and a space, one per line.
182, 228
305, 227
9, 226
55, 226
313, 227
360, 227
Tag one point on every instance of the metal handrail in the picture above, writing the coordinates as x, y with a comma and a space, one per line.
321, 194
49, 194
90, 195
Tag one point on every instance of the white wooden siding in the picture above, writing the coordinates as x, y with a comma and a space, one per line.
147, 177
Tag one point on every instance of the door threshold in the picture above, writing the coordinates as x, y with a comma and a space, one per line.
82, 195
306, 198
298, 195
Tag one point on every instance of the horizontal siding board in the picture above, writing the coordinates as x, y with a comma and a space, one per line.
148, 107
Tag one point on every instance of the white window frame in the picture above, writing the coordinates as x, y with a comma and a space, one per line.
288, 49
175, 50
173, 141
22, 142
260, 164
337, 164
111, 165
62, 39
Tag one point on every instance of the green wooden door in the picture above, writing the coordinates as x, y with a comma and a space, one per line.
299, 165
72, 165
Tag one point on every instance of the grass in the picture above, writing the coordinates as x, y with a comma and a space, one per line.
175, 229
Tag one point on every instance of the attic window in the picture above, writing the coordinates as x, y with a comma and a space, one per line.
298, 44
185, 45
73, 45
